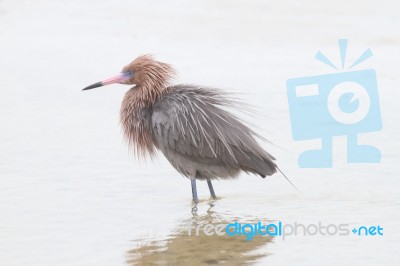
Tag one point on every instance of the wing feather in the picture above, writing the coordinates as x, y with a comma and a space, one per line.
191, 121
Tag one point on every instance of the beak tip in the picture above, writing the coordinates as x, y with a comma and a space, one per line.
95, 85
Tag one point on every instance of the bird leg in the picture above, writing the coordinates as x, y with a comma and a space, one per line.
210, 187
194, 191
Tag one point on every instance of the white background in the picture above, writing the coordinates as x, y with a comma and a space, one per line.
72, 194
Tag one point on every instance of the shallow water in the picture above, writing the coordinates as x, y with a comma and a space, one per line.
184, 248
72, 194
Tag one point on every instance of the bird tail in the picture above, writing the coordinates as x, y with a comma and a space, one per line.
255, 163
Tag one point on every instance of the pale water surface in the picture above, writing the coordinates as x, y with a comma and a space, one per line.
72, 194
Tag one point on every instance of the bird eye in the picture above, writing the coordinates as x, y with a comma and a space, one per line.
128, 74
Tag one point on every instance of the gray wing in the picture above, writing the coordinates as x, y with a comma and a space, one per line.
189, 121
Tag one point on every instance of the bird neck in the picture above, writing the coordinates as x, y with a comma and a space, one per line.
135, 116
149, 92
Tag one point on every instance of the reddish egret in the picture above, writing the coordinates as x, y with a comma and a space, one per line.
188, 124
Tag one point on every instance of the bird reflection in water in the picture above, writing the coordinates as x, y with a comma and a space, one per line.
180, 248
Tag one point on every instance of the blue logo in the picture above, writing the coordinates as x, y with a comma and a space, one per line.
368, 231
251, 230
344, 103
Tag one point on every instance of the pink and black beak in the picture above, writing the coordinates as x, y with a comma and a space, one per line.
120, 78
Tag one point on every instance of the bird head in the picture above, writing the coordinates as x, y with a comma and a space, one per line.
144, 71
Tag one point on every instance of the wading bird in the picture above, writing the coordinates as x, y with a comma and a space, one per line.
188, 124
